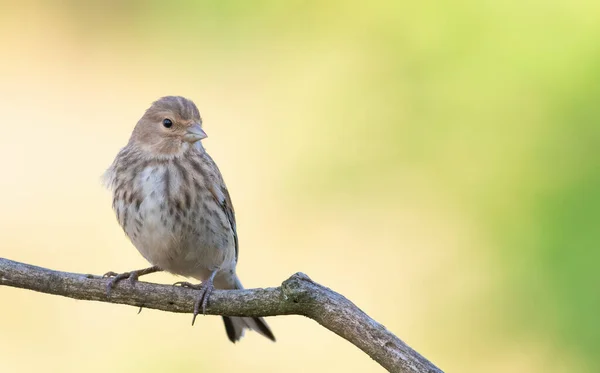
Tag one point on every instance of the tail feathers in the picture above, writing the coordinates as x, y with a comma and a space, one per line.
235, 326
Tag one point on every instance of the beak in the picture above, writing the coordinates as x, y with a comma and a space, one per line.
194, 133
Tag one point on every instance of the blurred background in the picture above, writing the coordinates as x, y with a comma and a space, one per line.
436, 162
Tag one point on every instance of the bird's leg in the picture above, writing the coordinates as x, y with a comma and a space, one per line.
132, 276
206, 288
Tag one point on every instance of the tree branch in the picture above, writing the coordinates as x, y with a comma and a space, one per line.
298, 295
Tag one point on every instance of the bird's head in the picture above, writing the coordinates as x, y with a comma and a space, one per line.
169, 127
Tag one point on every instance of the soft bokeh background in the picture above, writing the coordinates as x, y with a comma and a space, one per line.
435, 161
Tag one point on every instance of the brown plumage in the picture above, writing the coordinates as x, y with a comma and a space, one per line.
171, 200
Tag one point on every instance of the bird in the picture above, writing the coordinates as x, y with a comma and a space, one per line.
170, 199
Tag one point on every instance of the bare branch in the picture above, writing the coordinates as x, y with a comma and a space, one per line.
298, 295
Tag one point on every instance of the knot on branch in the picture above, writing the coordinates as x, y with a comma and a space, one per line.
296, 281
301, 290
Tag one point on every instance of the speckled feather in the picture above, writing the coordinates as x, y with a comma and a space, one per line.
176, 214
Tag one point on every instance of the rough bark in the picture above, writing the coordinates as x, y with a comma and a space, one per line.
298, 295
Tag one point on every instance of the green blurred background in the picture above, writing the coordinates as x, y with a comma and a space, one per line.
436, 162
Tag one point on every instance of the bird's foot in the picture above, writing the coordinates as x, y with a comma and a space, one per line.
116, 277
205, 288
132, 276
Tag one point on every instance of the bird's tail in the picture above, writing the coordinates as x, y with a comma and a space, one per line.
235, 326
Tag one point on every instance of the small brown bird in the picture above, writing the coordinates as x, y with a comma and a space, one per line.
171, 200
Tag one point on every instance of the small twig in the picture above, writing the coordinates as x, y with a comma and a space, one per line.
298, 295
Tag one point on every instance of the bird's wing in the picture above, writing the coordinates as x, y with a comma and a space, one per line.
221, 195
228, 208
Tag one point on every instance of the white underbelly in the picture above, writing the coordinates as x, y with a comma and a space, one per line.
190, 243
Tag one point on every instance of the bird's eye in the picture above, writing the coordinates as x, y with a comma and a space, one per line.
167, 123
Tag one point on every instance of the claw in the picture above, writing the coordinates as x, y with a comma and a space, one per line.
132, 276
205, 288
115, 277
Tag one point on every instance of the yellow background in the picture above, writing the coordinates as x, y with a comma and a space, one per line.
436, 162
